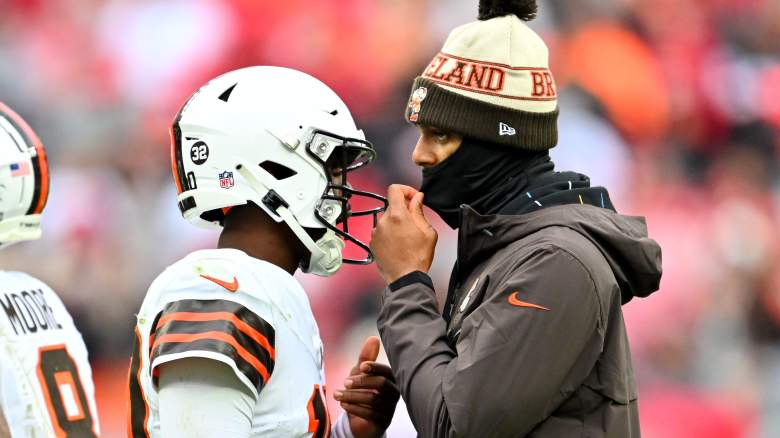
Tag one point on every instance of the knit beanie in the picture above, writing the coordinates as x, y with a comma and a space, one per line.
491, 81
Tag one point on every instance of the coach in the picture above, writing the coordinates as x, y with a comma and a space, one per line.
531, 340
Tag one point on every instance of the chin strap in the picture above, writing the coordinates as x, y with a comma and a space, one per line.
325, 253
326, 256
17, 229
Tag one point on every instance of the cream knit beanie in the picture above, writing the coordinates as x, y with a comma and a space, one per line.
491, 81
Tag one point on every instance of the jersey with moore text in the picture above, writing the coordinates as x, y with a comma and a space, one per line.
46, 387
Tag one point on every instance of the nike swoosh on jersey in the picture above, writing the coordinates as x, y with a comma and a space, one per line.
232, 287
513, 300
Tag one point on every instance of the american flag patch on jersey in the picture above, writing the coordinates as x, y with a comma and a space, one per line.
20, 169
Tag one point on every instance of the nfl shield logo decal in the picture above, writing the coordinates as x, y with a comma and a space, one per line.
226, 180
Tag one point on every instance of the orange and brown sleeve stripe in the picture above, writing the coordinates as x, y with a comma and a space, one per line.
137, 406
216, 326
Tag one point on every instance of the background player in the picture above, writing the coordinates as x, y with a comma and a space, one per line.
226, 343
45, 379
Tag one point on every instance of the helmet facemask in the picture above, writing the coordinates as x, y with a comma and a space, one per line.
335, 156
339, 156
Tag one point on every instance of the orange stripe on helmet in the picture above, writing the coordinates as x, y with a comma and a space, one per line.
40, 156
174, 167
43, 165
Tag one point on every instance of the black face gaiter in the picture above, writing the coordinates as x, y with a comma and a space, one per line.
484, 176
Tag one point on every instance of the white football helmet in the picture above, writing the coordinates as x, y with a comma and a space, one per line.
24, 179
282, 140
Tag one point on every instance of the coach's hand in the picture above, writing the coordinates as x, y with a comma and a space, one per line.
403, 240
370, 393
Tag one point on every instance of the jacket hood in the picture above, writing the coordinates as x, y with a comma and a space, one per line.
635, 259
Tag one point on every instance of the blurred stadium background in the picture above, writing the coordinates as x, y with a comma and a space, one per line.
672, 105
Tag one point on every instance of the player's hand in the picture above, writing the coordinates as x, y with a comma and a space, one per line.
370, 393
403, 240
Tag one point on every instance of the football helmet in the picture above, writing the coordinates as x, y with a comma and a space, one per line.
24, 179
282, 140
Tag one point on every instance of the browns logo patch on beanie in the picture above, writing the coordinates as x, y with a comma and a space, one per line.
491, 81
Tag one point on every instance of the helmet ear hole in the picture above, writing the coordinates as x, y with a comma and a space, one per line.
278, 171
213, 216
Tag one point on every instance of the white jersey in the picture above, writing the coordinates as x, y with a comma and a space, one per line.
249, 314
46, 385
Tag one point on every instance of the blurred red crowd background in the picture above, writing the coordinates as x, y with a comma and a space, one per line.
673, 106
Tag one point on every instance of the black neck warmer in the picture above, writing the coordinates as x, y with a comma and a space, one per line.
484, 176
500, 180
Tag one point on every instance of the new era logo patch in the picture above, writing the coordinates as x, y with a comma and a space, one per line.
504, 129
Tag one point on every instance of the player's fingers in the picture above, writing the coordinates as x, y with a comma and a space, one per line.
357, 396
360, 411
381, 417
363, 381
377, 369
370, 350
381, 407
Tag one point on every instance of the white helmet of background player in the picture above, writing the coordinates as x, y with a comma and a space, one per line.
24, 179
278, 138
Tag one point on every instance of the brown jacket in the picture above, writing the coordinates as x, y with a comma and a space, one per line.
535, 344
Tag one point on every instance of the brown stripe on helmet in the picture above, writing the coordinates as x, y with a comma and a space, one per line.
177, 164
